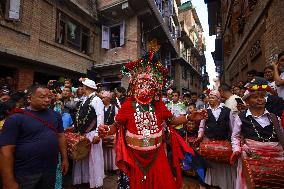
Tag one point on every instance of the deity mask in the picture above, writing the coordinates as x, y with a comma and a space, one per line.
147, 75
145, 89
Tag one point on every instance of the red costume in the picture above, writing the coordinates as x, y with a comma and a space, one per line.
140, 148
147, 168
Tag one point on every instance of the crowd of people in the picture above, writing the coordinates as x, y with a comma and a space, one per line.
138, 130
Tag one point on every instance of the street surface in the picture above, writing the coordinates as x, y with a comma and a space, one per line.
110, 182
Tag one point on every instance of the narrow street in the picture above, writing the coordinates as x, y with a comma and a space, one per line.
110, 183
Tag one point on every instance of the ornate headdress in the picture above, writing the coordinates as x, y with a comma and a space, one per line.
256, 85
148, 67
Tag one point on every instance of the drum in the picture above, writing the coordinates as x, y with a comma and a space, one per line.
218, 151
109, 141
78, 146
263, 172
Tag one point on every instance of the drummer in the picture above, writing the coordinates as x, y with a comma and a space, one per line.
217, 127
110, 110
89, 117
259, 128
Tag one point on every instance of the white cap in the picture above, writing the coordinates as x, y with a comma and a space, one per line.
89, 83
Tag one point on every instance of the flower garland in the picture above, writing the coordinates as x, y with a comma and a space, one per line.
253, 88
83, 121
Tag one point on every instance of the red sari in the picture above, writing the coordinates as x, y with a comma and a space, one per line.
130, 161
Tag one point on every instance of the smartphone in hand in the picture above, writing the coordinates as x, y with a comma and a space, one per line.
239, 100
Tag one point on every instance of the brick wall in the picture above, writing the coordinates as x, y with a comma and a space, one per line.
265, 24
33, 38
24, 78
273, 38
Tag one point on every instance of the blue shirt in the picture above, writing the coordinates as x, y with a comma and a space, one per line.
37, 145
67, 120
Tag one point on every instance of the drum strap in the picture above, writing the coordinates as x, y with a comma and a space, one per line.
278, 129
45, 123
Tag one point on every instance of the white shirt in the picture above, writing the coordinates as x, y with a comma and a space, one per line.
115, 109
280, 89
216, 112
263, 120
232, 103
98, 105
272, 85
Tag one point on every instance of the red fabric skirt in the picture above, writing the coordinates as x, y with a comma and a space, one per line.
158, 176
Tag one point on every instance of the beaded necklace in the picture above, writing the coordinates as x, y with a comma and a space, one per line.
259, 136
83, 121
144, 124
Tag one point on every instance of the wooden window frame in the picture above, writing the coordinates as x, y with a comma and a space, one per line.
62, 17
106, 35
6, 10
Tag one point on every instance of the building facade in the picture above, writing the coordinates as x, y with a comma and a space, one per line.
46, 39
190, 68
50, 39
127, 27
249, 35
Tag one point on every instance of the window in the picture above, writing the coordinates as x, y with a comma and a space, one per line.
113, 36
72, 34
10, 9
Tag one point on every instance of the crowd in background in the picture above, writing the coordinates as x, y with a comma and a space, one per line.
67, 98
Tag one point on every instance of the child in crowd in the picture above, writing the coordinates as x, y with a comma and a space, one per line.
59, 107
191, 126
58, 103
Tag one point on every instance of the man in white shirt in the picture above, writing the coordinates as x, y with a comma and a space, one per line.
218, 127
231, 102
89, 117
178, 109
110, 110
279, 79
261, 134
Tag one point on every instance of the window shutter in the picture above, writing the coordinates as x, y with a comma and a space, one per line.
122, 33
13, 10
105, 37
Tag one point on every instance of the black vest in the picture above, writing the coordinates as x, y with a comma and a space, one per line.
220, 129
109, 115
84, 117
248, 131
